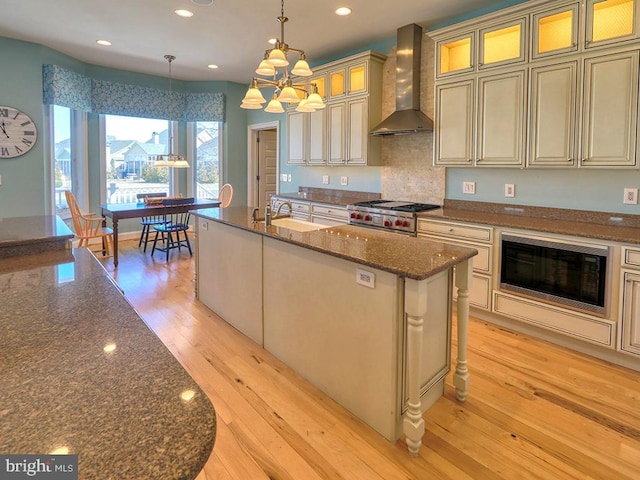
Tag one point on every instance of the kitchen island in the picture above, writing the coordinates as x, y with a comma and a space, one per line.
364, 315
82, 374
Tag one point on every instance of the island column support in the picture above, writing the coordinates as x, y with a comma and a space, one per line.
461, 375
415, 308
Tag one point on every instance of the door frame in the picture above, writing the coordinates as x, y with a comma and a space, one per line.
252, 134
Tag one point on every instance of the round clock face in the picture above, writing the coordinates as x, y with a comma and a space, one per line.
18, 133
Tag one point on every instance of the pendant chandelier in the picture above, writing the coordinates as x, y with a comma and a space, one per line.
169, 159
275, 65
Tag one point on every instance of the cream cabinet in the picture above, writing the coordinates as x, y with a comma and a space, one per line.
339, 134
500, 135
610, 114
467, 235
574, 104
630, 301
329, 215
552, 115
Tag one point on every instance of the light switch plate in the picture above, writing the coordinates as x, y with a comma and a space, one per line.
366, 278
288, 177
283, 177
344, 180
325, 179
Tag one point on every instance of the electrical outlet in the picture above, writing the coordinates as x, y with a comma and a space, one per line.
288, 177
344, 180
283, 177
630, 196
509, 190
366, 278
469, 188
325, 179
0, 179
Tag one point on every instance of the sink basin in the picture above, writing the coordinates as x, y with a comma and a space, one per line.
297, 225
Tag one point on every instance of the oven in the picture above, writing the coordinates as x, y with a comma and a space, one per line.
566, 274
391, 216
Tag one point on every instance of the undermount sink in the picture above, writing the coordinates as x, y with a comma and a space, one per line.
297, 225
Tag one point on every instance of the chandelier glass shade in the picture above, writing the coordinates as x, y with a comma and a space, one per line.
275, 66
169, 159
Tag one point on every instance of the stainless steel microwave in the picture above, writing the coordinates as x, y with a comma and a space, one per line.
566, 274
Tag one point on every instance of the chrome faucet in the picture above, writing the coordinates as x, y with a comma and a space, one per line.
268, 213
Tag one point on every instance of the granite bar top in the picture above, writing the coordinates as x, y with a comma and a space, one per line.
31, 235
328, 196
80, 371
401, 255
581, 223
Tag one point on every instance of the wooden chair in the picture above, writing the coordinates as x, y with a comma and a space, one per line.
226, 195
148, 222
88, 227
175, 220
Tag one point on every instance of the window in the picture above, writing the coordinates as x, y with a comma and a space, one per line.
207, 172
130, 143
62, 158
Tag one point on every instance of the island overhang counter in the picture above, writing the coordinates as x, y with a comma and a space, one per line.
82, 374
364, 315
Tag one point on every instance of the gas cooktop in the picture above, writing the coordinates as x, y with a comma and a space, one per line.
397, 206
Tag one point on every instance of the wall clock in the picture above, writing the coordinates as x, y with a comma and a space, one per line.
18, 133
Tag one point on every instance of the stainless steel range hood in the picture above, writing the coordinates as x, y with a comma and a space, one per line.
407, 118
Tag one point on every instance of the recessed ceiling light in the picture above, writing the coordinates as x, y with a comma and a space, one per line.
106, 43
343, 11
272, 41
203, 2
212, 66
183, 13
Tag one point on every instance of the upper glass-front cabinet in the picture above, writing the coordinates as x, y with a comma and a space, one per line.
455, 55
555, 31
502, 44
610, 21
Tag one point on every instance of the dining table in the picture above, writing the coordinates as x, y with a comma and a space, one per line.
121, 211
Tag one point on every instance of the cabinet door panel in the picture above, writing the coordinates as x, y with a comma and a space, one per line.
553, 112
500, 119
296, 138
454, 124
610, 21
610, 110
555, 31
631, 313
317, 136
358, 132
336, 133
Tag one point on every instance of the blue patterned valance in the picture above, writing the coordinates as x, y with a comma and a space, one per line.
73, 90
66, 88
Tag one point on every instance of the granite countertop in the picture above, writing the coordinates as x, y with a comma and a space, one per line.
35, 234
80, 370
328, 196
401, 255
595, 225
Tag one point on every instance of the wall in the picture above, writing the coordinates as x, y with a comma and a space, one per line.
26, 179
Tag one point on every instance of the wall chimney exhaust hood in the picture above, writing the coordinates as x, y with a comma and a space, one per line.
407, 118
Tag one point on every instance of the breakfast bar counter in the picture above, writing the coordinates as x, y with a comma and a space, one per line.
82, 374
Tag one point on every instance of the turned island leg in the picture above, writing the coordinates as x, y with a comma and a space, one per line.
415, 308
461, 375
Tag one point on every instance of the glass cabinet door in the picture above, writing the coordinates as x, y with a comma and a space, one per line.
610, 20
555, 31
337, 83
357, 79
502, 44
454, 55
320, 83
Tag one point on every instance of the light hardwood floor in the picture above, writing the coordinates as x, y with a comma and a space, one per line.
534, 411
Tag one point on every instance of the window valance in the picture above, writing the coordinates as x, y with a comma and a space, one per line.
73, 90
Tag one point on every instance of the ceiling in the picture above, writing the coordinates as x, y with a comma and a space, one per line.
230, 33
